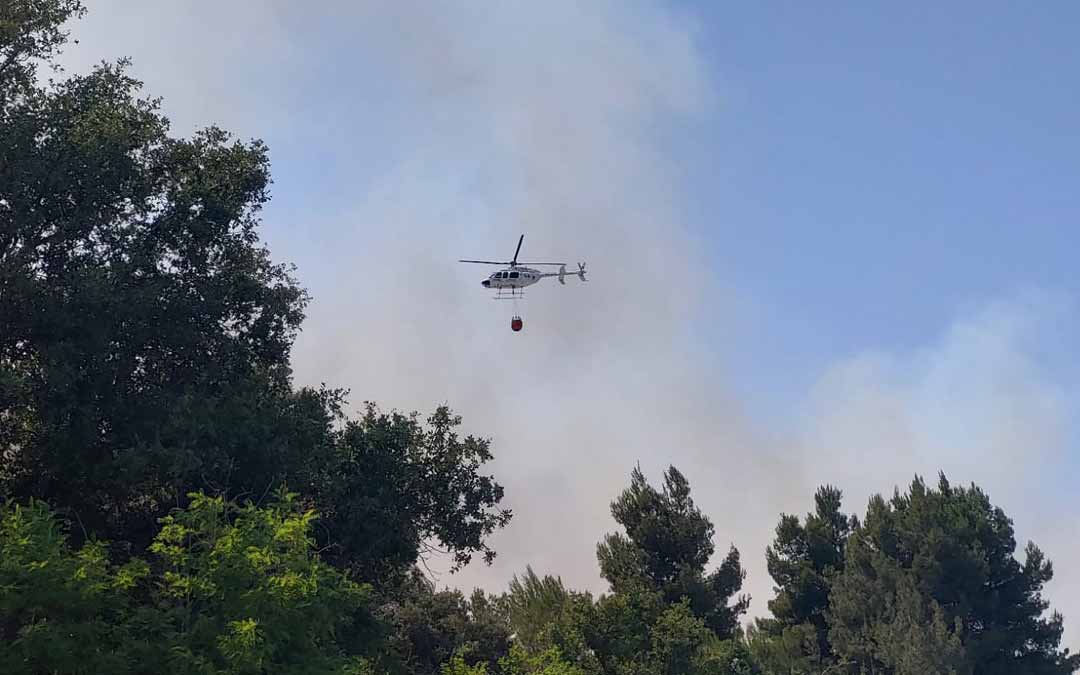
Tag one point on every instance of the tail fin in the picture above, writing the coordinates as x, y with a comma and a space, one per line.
581, 271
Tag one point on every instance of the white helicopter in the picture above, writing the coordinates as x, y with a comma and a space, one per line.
517, 275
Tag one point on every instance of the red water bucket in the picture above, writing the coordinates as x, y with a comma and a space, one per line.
516, 324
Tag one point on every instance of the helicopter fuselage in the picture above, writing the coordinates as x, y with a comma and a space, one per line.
512, 277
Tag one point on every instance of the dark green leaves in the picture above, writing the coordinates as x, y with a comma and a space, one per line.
30, 32
668, 543
938, 567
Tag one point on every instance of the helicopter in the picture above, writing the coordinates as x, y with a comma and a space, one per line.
517, 276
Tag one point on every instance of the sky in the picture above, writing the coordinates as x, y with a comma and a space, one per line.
828, 244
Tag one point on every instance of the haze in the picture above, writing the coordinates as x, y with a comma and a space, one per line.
825, 246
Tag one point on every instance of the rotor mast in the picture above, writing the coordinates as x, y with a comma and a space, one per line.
513, 263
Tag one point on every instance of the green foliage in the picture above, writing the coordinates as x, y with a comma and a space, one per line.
233, 590
665, 614
429, 487
545, 618
244, 591
546, 662
61, 611
668, 543
732, 657
131, 285
457, 666
937, 567
532, 605
802, 561
146, 395
638, 635
426, 628
30, 32
145, 335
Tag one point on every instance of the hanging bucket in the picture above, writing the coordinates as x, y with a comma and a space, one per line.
516, 323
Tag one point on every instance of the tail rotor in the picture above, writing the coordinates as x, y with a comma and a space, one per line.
581, 271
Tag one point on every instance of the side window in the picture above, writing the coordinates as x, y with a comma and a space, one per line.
504, 275
513, 275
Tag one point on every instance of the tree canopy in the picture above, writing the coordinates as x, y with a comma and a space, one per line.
939, 566
171, 501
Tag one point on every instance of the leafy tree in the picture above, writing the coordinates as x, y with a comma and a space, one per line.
131, 284
937, 567
732, 657
916, 639
802, 562
532, 605
678, 641
547, 662
61, 611
635, 634
667, 545
544, 617
664, 614
30, 31
145, 335
458, 666
889, 626
232, 590
428, 629
793, 650
244, 592
429, 487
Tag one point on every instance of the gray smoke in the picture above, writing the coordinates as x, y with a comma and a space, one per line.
407, 135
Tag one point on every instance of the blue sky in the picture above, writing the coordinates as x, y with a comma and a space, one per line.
828, 244
869, 170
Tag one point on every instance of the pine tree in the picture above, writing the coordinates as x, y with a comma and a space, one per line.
938, 566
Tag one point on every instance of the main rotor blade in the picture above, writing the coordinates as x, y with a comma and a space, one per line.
514, 262
485, 262
523, 264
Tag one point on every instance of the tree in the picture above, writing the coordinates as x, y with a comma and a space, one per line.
637, 634
667, 545
145, 335
664, 614
61, 611
231, 590
544, 617
458, 666
429, 487
428, 629
30, 32
937, 567
533, 604
802, 561
132, 284
547, 662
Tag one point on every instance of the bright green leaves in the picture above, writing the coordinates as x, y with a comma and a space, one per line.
547, 662
244, 646
230, 589
59, 609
